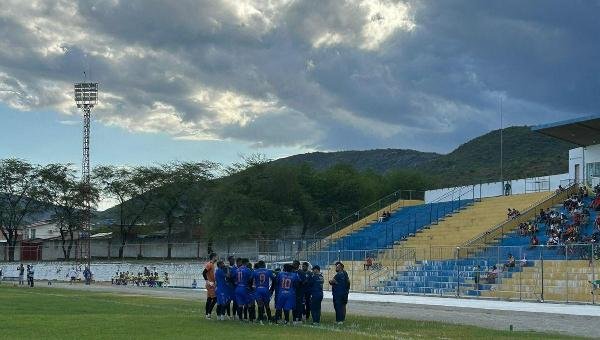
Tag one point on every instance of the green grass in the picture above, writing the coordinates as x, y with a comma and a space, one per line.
48, 313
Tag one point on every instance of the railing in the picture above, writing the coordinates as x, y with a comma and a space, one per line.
375, 207
499, 230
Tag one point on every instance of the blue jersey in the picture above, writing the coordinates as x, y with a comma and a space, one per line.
221, 279
262, 278
243, 277
287, 283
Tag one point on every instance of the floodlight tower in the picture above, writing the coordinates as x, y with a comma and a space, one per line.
86, 96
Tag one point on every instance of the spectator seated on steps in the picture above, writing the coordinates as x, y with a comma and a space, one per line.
368, 263
492, 275
534, 241
510, 262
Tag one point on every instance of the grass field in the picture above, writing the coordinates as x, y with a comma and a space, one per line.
48, 313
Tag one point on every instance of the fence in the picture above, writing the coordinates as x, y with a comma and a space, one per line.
106, 250
561, 273
517, 186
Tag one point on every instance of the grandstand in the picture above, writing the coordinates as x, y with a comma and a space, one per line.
453, 252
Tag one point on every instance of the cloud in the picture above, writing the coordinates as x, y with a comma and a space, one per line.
322, 75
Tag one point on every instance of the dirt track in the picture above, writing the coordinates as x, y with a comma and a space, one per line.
588, 326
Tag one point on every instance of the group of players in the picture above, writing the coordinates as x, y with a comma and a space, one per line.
237, 288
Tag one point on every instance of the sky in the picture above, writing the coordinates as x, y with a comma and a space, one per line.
196, 80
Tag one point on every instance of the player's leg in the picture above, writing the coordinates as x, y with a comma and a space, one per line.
261, 309
307, 305
315, 306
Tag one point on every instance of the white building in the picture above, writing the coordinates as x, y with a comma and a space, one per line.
584, 161
41, 230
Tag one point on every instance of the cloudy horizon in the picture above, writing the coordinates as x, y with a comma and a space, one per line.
212, 80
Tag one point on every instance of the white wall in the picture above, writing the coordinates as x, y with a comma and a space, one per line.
576, 158
493, 189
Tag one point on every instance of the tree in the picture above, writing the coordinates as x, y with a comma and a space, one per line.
134, 189
64, 196
181, 193
19, 198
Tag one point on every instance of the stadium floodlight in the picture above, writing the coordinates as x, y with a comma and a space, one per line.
86, 97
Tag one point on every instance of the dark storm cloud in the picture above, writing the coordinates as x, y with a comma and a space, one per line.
314, 74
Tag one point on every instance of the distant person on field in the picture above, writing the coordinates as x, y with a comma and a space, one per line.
30, 273
21, 271
340, 288
87, 274
72, 275
507, 188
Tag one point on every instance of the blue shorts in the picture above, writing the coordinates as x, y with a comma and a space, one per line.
242, 296
263, 295
223, 296
286, 301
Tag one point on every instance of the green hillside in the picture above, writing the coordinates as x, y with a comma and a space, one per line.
526, 154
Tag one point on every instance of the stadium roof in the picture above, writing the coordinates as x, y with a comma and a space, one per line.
583, 131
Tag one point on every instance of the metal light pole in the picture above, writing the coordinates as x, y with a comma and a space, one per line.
86, 96
501, 146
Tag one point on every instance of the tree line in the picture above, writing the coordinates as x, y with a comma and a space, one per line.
252, 198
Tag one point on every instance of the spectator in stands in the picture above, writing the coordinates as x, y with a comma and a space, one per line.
534, 241
510, 262
492, 275
523, 261
368, 262
477, 274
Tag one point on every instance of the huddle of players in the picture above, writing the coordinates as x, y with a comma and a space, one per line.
296, 290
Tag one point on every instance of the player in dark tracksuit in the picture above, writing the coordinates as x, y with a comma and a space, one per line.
315, 287
299, 309
307, 292
340, 288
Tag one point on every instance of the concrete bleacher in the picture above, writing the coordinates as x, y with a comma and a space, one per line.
548, 273
564, 272
435, 269
381, 235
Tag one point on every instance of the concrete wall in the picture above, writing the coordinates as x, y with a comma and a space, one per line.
493, 189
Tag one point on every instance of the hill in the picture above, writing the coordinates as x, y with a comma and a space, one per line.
526, 154
380, 160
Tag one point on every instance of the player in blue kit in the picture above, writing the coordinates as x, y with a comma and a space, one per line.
262, 283
223, 290
287, 281
243, 283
